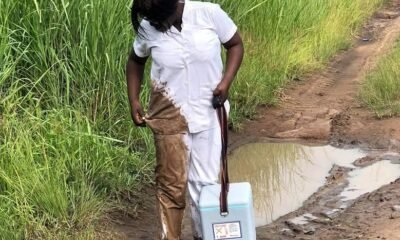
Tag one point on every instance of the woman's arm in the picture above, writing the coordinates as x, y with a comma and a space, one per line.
134, 76
234, 56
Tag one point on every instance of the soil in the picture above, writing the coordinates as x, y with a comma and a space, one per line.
320, 106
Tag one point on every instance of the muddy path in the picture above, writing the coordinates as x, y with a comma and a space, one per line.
319, 107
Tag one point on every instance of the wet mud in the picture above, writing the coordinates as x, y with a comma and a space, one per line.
169, 127
164, 117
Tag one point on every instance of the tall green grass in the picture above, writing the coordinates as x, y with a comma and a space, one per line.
68, 147
67, 144
56, 172
381, 89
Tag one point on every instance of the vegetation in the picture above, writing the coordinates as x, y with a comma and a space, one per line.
381, 90
67, 144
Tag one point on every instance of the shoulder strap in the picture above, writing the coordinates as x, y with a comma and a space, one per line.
223, 122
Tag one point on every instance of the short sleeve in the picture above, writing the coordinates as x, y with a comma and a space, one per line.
140, 47
224, 25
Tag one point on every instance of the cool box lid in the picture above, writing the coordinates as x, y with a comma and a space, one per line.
239, 196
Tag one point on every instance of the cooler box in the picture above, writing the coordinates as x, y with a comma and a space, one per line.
238, 224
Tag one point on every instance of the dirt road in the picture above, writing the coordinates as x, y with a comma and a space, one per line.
322, 106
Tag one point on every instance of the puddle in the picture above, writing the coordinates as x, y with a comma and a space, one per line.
284, 175
370, 178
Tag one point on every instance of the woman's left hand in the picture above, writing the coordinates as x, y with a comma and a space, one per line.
222, 90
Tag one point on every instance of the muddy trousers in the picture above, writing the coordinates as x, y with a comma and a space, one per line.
184, 162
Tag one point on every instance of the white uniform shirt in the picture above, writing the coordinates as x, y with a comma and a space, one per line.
188, 63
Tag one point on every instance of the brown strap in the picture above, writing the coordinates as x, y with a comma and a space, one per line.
223, 198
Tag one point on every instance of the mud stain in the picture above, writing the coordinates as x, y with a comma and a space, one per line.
164, 117
169, 127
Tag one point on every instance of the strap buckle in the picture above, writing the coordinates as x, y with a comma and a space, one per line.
224, 214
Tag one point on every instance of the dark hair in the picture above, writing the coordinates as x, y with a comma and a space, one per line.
155, 11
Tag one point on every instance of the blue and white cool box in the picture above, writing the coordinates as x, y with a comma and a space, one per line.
238, 224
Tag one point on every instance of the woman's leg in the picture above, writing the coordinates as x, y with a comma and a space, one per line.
204, 167
171, 180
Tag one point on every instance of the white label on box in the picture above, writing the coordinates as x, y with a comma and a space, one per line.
227, 230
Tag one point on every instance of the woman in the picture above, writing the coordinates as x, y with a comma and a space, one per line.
184, 40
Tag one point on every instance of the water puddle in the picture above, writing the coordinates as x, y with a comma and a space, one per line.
284, 175
370, 178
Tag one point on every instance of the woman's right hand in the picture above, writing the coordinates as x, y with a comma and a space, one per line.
137, 114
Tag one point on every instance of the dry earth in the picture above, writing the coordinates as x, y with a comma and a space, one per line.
318, 107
